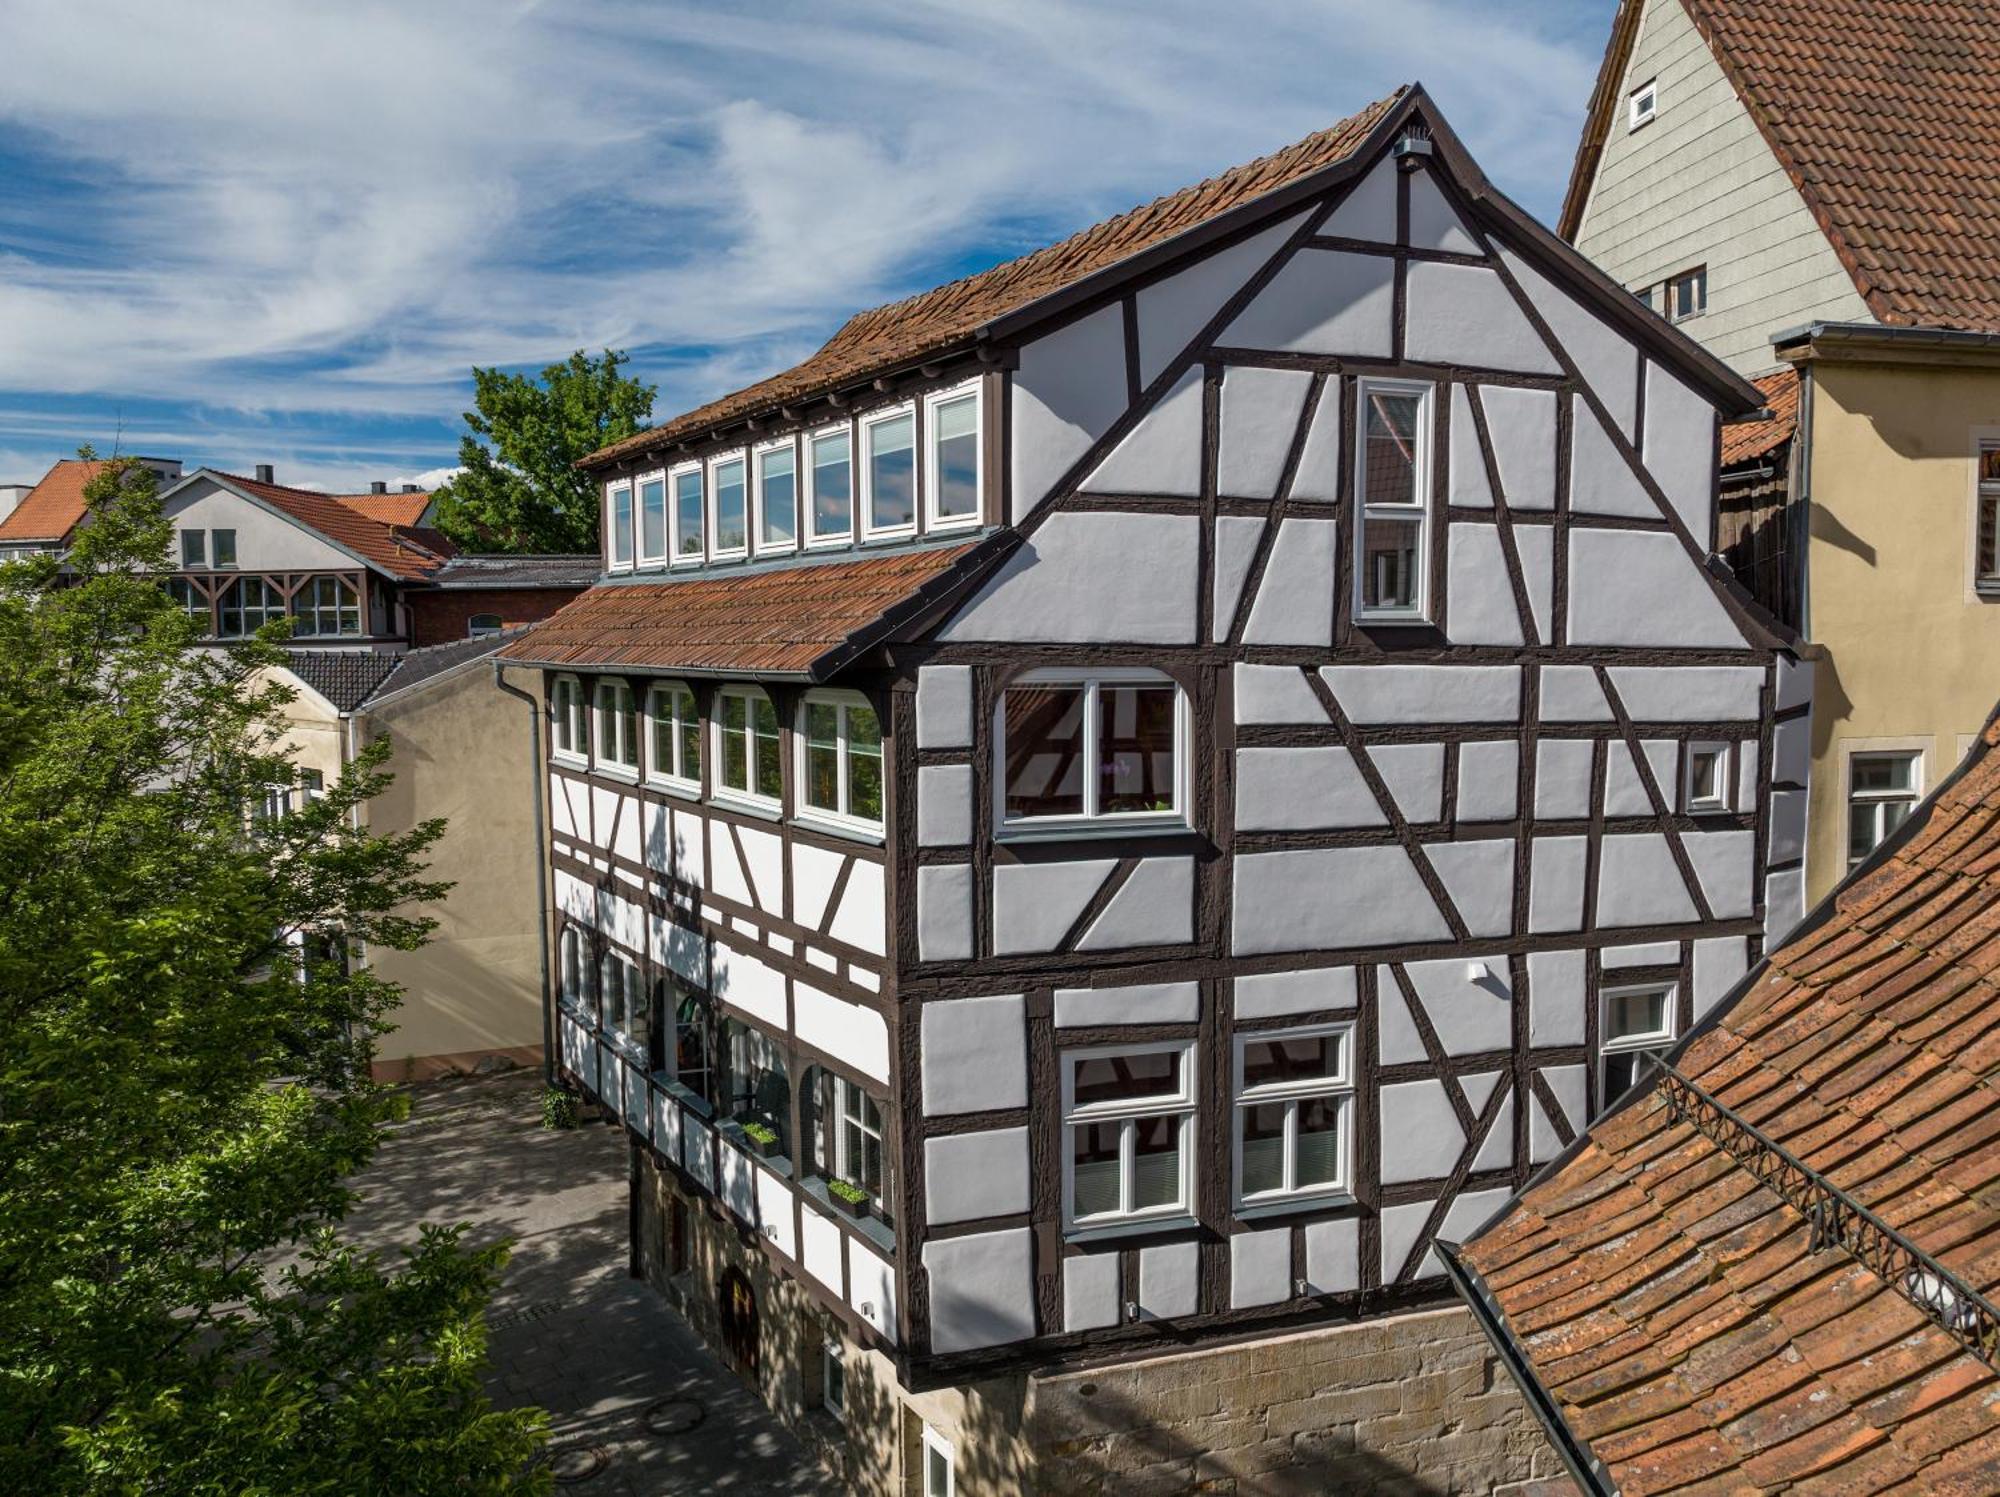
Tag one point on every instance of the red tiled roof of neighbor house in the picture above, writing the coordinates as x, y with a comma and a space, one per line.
1744, 440
50, 510
790, 621
405, 552
1676, 1310
390, 509
937, 320
1885, 114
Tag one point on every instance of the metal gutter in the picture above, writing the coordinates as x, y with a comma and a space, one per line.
1888, 334
543, 912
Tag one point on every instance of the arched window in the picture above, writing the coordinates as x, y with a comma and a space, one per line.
566, 732
673, 735
747, 764
617, 727
840, 759
570, 988
756, 1084
480, 625
845, 1137
685, 1052
622, 999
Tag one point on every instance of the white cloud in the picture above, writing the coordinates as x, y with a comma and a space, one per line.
310, 210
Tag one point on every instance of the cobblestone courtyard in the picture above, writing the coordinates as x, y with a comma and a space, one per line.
570, 1331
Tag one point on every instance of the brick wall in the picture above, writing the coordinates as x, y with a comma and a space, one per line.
438, 618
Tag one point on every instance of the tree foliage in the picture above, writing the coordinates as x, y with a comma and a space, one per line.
184, 1090
520, 489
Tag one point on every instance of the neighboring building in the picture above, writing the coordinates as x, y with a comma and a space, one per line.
470, 597
1769, 1269
49, 512
11, 495
461, 750
1161, 765
1797, 186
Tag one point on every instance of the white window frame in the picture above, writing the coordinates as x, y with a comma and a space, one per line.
712, 502
196, 537
757, 456
1660, 1039
1918, 760
1420, 611
808, 496
675, 534
1176, 819
1985, 497
1179, 1104
572, 957
975, 390
1668, 309
832, 1357
601, 735
677, 779
612, 1018
612, 530
933, 1441
864, 490
1642, 105
1339, 1087
577, 751
803, 810
645, 558
843, 1164
476, 630
1724, 798
720, 790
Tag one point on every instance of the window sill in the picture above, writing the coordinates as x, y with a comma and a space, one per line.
686, 1096
616, 772
1135, 1227
828, 826
685, 789
1393, 621
732, 1131
871, 1226
888, 537
1083, 831
763, 810
1245, 1211
568, 759
831, 543
1988, 588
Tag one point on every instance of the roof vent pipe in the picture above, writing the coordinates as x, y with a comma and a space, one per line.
378, 486
264, 473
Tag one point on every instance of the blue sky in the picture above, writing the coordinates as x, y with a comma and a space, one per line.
262, 231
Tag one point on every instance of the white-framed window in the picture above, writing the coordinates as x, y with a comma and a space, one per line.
246, 605
653, 520
777, 496
1685, 295
194, 602
689, 514
952, 465
1642, 104
858, 1155
748, 763
729, 518
618, 520
579, 974
194, 549
566, 735
1081, 749
1392, 477
484, 625
940, 1479
833, 1377
1294, 1114
673, 735
623, 1000
1711, 777
1882, 790
1128, 1135
222, 548
326, 605
840, 760
830, 486
889, 472
1986, 520
1634, 1021
617, 727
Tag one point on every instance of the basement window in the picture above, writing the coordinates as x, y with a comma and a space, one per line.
1128, 1136
1642, 104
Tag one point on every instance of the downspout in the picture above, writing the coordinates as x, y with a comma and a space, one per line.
1802, 458
542, 912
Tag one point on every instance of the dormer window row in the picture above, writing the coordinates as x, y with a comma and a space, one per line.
896, 473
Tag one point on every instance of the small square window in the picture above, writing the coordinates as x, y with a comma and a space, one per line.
1643, 104
1687, 294
1882, 791
1710, 773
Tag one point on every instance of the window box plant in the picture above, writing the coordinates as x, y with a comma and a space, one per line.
763, 1138
849, 1197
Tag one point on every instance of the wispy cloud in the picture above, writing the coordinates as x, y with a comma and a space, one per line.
289, 229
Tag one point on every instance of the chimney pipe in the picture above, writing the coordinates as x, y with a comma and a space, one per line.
264, 473
412, 488
377, 486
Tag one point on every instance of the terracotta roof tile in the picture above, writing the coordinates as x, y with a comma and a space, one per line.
1744, 441
50, 510
404, 552
1753, 1358
936, 321
793, 620
390, 509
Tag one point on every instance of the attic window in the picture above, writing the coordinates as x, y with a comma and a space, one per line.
1643, 104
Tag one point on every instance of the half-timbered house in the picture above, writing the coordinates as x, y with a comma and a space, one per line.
1095, 817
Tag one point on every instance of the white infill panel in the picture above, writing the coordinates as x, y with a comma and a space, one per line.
871, 1289
849, 1032
820, 1250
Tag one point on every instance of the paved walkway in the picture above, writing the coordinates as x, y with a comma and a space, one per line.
570, 1331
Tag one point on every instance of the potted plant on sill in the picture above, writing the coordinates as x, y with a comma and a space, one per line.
763, 1138
849, 1197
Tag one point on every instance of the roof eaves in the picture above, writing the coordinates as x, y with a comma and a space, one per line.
228, 481
1598, 115
934, 595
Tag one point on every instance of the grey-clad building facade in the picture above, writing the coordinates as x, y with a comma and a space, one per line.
1249, 752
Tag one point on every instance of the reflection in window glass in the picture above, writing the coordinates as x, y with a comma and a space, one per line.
1044, 751
1090, 748
892, 473
1125, 1078
777, 498
1392, 552
1135, 749
1292, 1099
1882, 791
729, 526
621, 525
955, 457
687, 513
653, 519
832, 486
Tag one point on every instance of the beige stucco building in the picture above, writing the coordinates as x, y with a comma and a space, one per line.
462, 750
1792, 188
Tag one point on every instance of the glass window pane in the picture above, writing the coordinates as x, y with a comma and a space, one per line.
1389, 560
662, 716
1635, 1013
1135, 737
735, 744
1044, 750
1156, 1162
1121, 1078
729, 531
770, 772
690, 736
1705, 775
223, 544
822, 788
955, 441
892, 473
1620, 1071
194, 548
621, 524
1263, 1148
687, 512
653, 518
1297, 1058
1317, 1152
1390, 460
1884, 772
833, 485
777, 498
1095, 1168
937, 1473
864, 764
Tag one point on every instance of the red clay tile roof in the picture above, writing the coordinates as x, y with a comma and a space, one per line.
1886, 116
404, 552
793, 621
938, 320
50, 510
1745, 440
390, 509
1674, 1307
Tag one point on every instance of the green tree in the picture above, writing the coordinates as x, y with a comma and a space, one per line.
520, 489
184, 1076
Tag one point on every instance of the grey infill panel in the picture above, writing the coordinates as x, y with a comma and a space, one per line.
1333, 1255
944, 706
1725, 863
1368, 212
1168, 1277
1434, 223
1293, 603
1470, 486
1271, 995
1640, 587
1308, 788
1260, 1268
1154, 908
944, 805
1271, 694
982, 1289
1414, 775
1606, 358
1536, 545
1320, 899
1570, 694
1522, 426
1555, 894
1390, 694
970, 1176
1090, 1291
1562, 779
1680, 448
1162, 454
1601, 482
1318, 475
1482, 610
1067, 390
1479, 878
1488, 779
1638, 882
1424, 1140
1034, 904
1689, 693
1555, 998
1321, 302
1470, 1000
944, 912
1718, 963
975, 1054
1075, 581
1236, 538
1174, 309
1260, 416
1465, 315
1142, 1003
